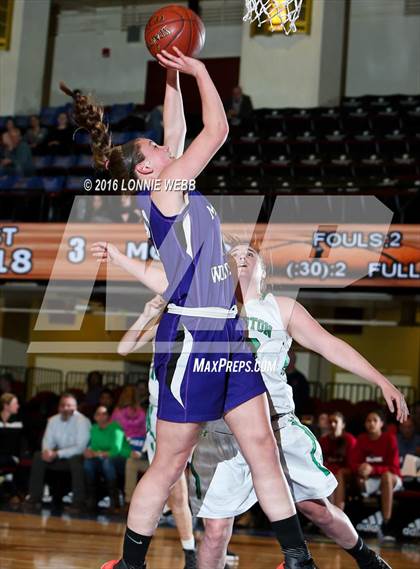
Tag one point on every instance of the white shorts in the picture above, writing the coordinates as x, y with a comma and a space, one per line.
373, 486
221, 483
150, 442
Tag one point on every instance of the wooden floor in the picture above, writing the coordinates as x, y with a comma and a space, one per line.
35, 542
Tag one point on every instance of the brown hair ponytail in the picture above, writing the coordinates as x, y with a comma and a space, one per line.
119, 160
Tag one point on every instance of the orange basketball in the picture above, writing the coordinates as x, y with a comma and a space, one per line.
175, 26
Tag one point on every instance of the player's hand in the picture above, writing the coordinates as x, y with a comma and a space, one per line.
180, 62
153, 307
395, 400
106, 252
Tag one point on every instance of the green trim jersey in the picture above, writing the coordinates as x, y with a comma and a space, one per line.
153, 386
272, 342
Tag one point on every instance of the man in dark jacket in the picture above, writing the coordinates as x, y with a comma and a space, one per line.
239, 107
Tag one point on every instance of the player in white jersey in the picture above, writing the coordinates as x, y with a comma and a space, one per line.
222, 485
133, 340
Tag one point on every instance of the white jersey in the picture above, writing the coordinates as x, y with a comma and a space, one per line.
272, 342
153, 386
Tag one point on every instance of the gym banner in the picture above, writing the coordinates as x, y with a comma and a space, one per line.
301, 255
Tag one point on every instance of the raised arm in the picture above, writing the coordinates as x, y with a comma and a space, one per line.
174, 124
310, 334
144, 328
208, 141
150, 273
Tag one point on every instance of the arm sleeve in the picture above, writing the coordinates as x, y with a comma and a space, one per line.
350, 446
82, 438
116, 442
357, 456
48, 438
392, 459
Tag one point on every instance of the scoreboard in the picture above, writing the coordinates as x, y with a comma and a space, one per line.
299, 254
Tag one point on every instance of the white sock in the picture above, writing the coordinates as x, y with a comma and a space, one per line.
188, 544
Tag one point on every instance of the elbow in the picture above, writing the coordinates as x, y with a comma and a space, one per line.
219, 132
122, 350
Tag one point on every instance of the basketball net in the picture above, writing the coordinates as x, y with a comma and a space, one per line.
281, 14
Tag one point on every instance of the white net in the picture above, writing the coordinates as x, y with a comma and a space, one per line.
281, 14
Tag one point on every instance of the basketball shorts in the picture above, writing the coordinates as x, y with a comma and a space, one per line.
373, 486
221, 483
204, 368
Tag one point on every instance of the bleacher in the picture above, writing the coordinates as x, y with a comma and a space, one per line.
368, 145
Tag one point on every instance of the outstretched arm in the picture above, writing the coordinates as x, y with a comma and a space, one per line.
308, 333
144, 328
174, 124
151, 273
208, 141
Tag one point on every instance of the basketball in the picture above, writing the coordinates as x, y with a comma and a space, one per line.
175, 26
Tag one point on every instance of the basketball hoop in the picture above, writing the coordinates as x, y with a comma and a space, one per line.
282, 13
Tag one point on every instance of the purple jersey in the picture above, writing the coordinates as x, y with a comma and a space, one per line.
192, 251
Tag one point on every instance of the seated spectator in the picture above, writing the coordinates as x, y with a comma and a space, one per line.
17, 156
106, 455
239, 108
64, 442
60, 140
11, 438
337, 448
299, 384
36, 135
106, 399
128, 213
132, 418
99, 212
94, 388
376, 465
10, 127
321, 426
408, 441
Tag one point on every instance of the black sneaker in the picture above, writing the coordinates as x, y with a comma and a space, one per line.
293, 563
386, 534
375, 562
190, 559
121, 564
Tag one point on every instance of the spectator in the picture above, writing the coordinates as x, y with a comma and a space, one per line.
106, 399
11, 438
10, 127
36, 135
322, 427
65, 439
337, 448
376, 465
106, 456
239, 108
132, 418
98, 210
299, 385
17, 156
408, 440
128, 213
94, 388
60, 140
129, 414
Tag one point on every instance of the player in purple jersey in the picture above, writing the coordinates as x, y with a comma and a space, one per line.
201, 317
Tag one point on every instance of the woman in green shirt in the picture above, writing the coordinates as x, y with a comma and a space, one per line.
105, 456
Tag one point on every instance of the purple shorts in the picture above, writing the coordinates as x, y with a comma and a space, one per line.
204, 368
